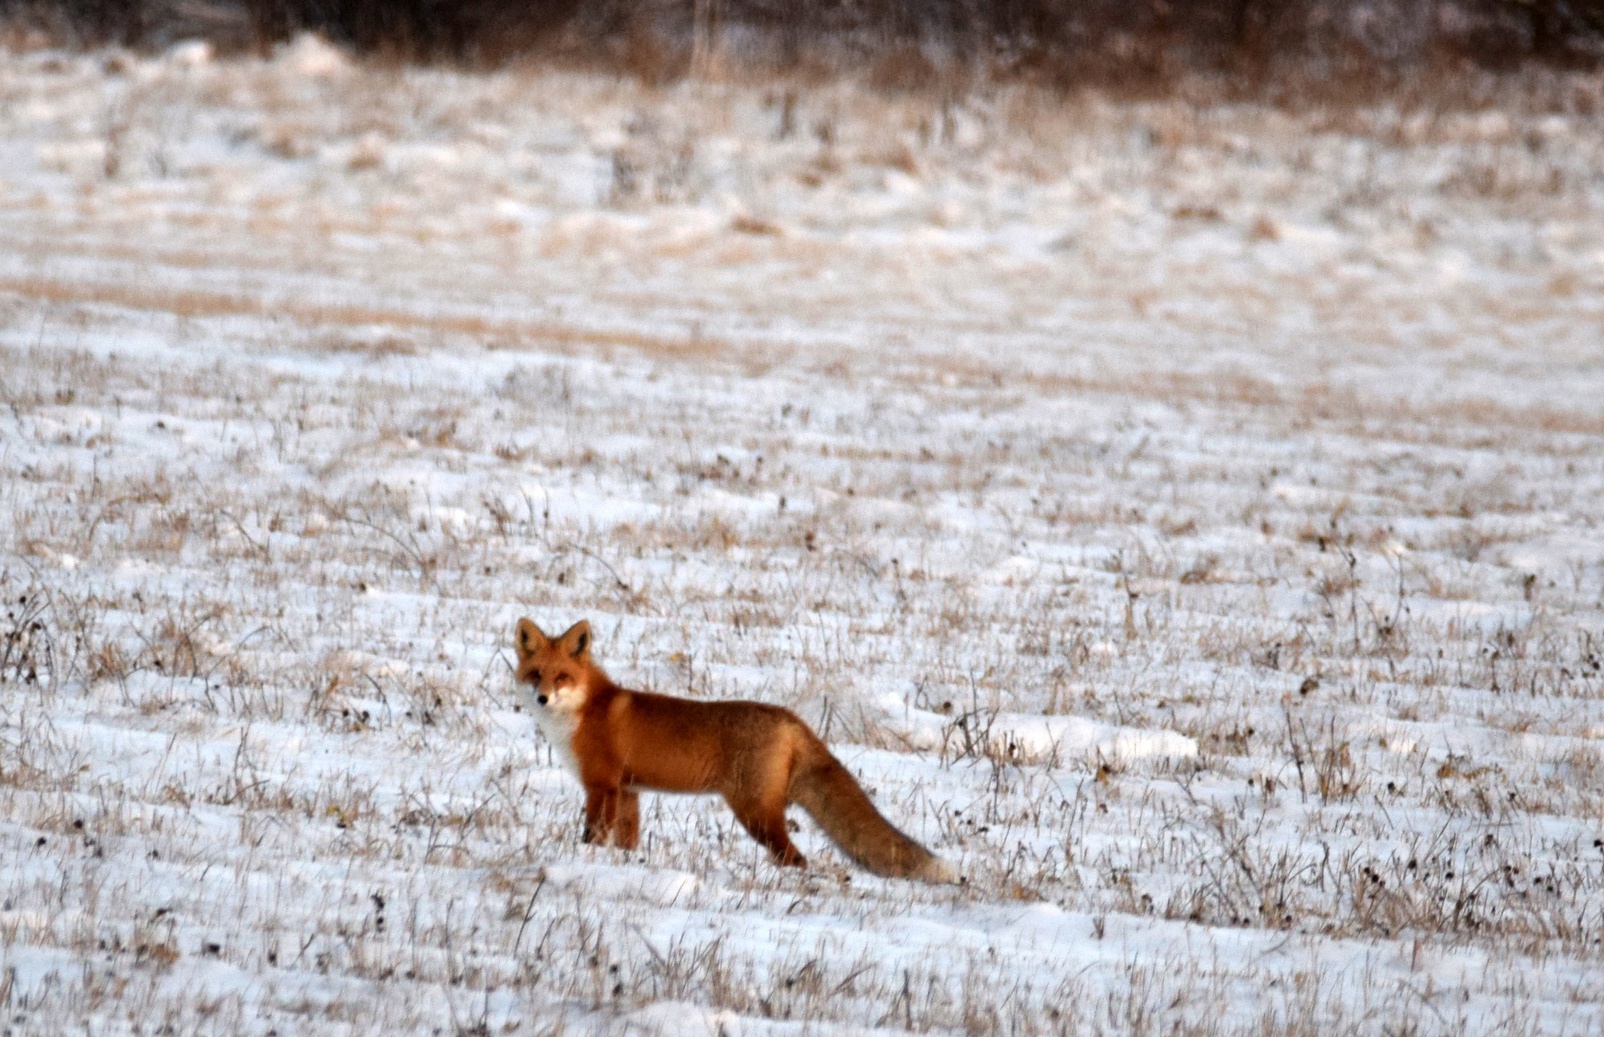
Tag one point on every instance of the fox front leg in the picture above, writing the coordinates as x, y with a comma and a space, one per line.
612, 816
628, 830
595, 798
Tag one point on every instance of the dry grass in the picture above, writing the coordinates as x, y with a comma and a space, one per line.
192, 304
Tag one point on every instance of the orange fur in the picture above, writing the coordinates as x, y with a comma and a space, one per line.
760, 758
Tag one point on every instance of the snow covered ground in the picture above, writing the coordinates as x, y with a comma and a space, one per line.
1187, 520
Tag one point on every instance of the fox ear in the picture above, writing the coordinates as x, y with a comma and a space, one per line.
530, 639
576, 640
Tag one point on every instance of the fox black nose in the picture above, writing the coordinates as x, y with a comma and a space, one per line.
540, 699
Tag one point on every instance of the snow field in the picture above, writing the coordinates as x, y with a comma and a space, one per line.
1183, 519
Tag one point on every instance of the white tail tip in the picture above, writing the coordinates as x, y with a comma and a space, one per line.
938, 872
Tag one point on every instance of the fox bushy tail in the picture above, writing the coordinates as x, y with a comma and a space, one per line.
828, 791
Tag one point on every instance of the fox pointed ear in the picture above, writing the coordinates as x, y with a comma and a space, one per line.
576, 639
530, 639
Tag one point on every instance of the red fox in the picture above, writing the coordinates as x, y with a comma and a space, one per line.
760, 758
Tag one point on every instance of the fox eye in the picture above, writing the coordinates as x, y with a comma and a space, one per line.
533, 677
562, 680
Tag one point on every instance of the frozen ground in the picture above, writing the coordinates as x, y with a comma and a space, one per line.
1188, 521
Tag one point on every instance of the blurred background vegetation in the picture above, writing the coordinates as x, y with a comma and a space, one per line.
1253, 46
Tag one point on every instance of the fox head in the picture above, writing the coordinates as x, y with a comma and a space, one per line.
553, 672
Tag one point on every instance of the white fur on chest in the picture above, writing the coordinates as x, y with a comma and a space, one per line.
558, 725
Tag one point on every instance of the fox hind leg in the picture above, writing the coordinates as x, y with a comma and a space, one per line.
765, 822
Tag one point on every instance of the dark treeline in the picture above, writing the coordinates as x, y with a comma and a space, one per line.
900, 42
